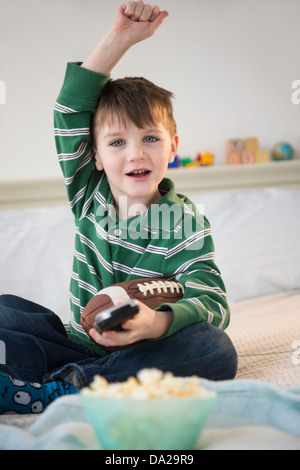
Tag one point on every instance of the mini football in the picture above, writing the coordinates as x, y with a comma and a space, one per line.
151, 291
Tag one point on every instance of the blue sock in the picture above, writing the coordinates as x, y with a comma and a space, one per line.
21, 397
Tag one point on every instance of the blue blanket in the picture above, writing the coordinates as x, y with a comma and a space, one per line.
248, 414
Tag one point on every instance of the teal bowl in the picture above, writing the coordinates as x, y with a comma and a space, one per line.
152, 424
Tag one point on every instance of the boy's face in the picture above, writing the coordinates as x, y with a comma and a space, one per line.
134, 160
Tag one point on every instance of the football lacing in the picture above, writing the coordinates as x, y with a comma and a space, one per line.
160, 286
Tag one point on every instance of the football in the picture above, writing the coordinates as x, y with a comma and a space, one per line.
151, 291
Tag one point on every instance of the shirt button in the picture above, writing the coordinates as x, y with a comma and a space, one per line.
118, 232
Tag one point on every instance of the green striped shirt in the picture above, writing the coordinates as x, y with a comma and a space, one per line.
170, 239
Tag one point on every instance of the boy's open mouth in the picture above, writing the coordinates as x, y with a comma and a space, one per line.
138, 173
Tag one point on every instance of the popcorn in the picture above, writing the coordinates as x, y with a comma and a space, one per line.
150, 384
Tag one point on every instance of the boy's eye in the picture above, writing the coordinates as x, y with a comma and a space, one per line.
150, 138
117, 143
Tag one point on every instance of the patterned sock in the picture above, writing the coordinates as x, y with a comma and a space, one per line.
20, 397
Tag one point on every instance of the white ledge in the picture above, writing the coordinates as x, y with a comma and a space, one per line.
51, 192
215, 178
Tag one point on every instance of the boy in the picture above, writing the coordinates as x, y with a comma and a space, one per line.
114, 141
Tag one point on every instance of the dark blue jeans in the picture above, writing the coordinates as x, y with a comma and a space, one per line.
37, 349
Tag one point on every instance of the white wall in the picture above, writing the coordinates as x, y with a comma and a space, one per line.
230, 63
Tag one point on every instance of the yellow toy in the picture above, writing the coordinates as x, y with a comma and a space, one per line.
191, 165
205, 159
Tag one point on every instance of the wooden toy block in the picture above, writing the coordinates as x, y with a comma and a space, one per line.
251, 144
248, 157
233, 158
234, 145
262, 156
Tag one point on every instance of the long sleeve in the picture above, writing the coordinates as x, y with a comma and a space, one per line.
72, 120
192, 261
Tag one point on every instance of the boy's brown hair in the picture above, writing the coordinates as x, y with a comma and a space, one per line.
134, 99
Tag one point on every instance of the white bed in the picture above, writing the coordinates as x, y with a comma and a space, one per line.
254, 214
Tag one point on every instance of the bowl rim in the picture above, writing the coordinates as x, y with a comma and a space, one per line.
209, 395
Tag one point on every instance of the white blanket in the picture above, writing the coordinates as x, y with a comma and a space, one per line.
266, 334
248, 415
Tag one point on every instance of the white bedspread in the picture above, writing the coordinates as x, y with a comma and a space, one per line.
260, 409
266, 334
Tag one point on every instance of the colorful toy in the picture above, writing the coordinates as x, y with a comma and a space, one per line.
186, 161
283, 151
175, 163
192, 165
206, 159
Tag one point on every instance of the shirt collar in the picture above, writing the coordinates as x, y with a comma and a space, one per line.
164, 215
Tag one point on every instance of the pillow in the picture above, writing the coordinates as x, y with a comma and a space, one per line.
256, 234
36, 247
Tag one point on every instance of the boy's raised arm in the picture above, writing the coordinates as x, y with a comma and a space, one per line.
80, 93
133, 23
